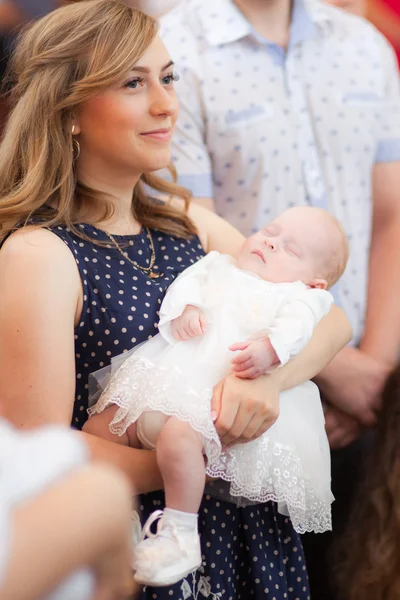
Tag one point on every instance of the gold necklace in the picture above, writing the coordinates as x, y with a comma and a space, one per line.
149, 270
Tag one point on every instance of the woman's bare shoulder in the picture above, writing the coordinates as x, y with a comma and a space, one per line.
31, 241
36, 254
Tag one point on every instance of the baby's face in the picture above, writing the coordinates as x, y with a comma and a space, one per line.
293, 247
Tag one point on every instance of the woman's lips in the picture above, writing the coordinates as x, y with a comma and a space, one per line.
163, 135
260, 254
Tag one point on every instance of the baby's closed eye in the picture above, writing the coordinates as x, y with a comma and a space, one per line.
293, 249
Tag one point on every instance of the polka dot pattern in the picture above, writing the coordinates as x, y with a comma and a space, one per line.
121, 302
250, 552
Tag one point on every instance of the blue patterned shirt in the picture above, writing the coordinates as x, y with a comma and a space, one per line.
262, 129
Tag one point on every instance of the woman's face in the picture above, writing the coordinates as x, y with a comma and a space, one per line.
128, 128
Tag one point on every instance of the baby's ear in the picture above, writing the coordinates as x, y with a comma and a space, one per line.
318, 284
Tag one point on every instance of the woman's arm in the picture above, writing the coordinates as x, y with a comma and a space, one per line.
214, 232
332, 333
40, 301
247, 408
81, 522
140, 466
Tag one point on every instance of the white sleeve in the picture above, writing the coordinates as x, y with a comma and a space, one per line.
294, 324
188, 288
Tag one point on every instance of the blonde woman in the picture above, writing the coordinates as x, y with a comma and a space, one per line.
87, 256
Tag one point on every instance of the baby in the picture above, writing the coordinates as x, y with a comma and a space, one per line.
264, 306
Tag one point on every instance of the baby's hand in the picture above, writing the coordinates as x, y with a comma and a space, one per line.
254, 359
192, 323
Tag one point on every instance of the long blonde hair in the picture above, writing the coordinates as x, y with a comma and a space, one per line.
60, 62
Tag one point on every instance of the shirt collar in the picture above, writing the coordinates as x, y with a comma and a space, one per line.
227, 24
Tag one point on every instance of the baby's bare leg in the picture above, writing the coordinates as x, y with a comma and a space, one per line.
99, 425
181, 461
175, 550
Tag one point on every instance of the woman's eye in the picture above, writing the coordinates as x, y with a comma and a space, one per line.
134, 84
168, 79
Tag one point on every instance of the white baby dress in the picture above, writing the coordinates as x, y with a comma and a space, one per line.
30, 462
290, 463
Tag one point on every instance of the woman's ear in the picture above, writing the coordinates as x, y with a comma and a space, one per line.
318, 284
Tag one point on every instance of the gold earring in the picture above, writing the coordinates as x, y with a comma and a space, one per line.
76, 149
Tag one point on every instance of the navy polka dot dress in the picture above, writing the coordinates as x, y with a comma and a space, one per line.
250, 552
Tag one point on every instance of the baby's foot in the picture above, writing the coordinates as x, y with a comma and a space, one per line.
165, 557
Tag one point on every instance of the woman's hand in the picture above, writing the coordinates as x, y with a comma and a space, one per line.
245, 409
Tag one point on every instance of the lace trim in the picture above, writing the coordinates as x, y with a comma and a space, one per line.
198, 589
140, 386
279, 478
260, 471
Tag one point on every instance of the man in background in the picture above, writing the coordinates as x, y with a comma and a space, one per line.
298, 103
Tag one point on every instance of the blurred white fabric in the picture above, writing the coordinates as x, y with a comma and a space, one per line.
156, 8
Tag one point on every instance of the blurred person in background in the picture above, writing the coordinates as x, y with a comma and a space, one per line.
298, 103
13, 14
157, 8
368, 564
356, 7
64, 523
384, 14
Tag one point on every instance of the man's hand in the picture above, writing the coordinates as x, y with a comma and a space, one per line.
353, 383
341, 429
192, 323
255, 358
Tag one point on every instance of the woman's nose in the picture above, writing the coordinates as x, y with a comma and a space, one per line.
163, 103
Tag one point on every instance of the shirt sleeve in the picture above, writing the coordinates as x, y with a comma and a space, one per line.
188, 288
294, 324
189, 145
388, 149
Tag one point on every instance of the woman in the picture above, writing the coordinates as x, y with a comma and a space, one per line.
94, 112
